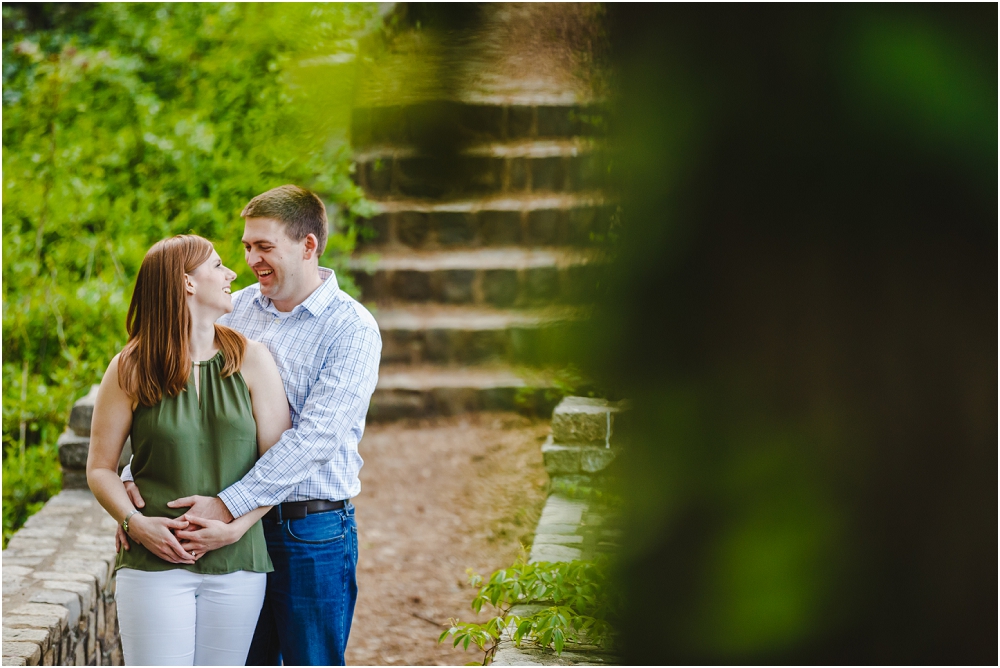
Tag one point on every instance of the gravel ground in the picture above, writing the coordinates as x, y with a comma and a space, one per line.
438, 497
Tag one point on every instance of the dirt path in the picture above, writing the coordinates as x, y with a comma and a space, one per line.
438, 497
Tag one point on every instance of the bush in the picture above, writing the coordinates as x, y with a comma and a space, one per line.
127, 123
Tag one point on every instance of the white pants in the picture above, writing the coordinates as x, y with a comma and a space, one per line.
178, 618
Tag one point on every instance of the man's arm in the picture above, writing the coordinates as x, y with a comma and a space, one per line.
336, 401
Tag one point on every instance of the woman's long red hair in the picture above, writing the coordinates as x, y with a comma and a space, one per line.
156, 360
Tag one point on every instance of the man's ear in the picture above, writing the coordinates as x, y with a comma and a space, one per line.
311, 247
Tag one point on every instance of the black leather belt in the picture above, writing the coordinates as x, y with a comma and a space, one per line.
296, 510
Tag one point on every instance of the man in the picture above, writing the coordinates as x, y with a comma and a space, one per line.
327, 347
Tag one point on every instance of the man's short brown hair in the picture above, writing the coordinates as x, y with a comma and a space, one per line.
301, 211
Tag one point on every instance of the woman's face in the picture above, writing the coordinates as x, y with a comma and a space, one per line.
208, 285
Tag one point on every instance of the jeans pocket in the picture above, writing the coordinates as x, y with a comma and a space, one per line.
317, 529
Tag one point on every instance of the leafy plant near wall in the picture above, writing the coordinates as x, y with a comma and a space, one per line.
124, 123
577, 604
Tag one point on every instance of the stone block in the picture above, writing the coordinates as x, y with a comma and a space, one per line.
520, 120
543, 226
76, 499
483, 121
412, 228
454, 227
37, 616
82, 413
40, 637
581, 420
517, 174
548, 174
453, 286
74, 479
101, 626
55, 522
455, 400
580, 223
555, 121
13, 584
594, 459
397, 404
60, 597
560, 458
557, 539
79, 652
500, 286
16, 571
422, 177
20, 560
560, 510
541, 283
28, 651
500, 228
98, 568
552, 552
411, 285
498, 399
49, 657
92, 647
555, 528
85, 590
481, 175
38, 531
587, 172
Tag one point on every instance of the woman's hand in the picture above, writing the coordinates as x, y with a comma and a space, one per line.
211, 535
156, 535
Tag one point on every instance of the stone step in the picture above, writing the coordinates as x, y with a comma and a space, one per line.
500, 277
578, 219
406, 391
466, 121
566, 165
418, 333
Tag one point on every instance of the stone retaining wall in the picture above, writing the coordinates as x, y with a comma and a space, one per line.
58, 578
582, 444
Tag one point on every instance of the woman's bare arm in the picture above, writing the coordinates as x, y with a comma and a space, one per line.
267, 393
111, 425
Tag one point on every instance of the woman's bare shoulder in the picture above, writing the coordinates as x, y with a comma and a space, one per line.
256, 358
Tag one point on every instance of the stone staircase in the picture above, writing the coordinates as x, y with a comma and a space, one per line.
482, 147
481, 257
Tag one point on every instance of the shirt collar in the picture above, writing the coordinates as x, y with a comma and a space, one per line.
316, 302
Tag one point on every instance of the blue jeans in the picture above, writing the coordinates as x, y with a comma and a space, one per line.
309, 603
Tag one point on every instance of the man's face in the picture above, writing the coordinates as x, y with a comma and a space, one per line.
277, 260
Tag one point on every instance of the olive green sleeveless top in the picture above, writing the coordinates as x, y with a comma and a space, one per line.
191, 444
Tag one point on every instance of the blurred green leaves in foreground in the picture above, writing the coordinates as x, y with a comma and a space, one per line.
124, 123
803, 315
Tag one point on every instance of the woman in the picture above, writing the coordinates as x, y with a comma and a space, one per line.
201, 404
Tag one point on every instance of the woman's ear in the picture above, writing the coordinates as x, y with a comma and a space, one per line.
188, 285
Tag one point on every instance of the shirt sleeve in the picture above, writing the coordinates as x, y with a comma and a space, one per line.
127, 472
337, 400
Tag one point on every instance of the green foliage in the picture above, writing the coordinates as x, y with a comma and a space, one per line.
577, 605
29, 479
128, 123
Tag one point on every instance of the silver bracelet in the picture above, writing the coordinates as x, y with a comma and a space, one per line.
125, 521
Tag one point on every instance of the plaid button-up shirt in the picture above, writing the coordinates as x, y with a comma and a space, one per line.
327, 351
